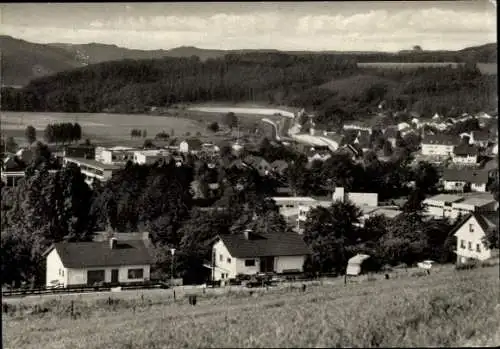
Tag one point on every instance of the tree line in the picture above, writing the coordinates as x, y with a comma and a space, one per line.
65, 132
296, 80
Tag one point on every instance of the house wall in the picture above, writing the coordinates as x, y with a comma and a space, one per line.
436, 149
363, 199
454, 185
465, 160
242, 269
289, 263
221, 260
478, 187
464, 236
184, 147
79, 276
55, 269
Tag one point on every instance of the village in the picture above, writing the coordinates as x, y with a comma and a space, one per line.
466, 164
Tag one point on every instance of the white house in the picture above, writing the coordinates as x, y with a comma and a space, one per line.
465, 154
358, 199
439, 145
148, 157
457, 179
452, 206
478, 138
193, 145
92, 169
289, 206
470, 232
115, 155
104, 262
249, 253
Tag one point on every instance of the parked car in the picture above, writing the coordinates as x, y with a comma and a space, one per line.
55, 284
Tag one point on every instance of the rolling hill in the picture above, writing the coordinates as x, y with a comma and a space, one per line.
24, 61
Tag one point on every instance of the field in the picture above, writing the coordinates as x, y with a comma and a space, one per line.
446, 308
114, 129
485, 68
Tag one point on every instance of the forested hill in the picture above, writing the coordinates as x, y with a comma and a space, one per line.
313, 81
24, 61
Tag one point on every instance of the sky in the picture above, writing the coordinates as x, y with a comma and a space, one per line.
344, 25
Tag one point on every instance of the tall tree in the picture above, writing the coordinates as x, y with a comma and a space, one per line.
30, 134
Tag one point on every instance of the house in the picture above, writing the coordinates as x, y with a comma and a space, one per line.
458, 179
470, 232
439, 145
465, 154
249, 253
478, 138
491, 167
358, 199
192, 145
289, 206
148, 157
452, 206
80, 151
403, 126
363, 140
98, 262
258, 163
368, 212
114, 156
92, 169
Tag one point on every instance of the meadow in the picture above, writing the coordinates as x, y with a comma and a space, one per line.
446, 308
484, 68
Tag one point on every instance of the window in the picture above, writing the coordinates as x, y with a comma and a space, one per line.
135, 273
462, 243
62, 270
222, 276
249, 262
95, 276
221, 258
470, 246
471, 228
478, 248
229, 260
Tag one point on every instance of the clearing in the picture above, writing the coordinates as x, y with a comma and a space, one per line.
446, 308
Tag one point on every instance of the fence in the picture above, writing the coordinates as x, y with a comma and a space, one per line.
67, 290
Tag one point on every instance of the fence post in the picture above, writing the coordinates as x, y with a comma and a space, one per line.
73, 309
174, 295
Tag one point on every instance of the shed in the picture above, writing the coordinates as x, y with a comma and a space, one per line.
355, 263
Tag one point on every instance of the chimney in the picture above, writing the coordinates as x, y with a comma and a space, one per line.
112, 243
247, 233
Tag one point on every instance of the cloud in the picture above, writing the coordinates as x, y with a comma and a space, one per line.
432, 28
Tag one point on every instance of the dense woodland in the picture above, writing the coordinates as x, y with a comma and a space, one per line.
313, 81
163, 200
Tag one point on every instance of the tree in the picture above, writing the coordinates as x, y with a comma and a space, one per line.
231, 120
426, 178
214, 127
30, 134
11, 145
328, 231
144, 133
387, 148
148, 144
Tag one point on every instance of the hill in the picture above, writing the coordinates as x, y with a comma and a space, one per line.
24, 61
407, 311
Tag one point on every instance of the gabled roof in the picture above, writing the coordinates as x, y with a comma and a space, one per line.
268, 245
465, 175
487, 221
441, 139
465, 150
80, 255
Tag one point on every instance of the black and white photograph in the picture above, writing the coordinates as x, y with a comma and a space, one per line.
308, 174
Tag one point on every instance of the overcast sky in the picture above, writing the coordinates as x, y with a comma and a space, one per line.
359, 26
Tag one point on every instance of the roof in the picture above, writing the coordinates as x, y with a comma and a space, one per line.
487, 221
480, 135
475, 201
279, 165
491, 165
441, 139
268, 245
93, 163
254, 160
193, 143
465, 150
358, 259
80, 255
465, 175
445, 198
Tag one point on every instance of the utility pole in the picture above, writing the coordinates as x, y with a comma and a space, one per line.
172, 251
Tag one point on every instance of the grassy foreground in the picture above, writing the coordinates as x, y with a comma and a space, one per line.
446, 308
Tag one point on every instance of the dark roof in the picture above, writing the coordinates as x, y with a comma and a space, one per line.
441, 139
465, 175
286, 244
194, 143
491, 165
99, 254
487, 221
480, 135
465, 149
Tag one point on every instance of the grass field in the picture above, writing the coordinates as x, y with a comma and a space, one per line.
446, 308
100, 128
484, 68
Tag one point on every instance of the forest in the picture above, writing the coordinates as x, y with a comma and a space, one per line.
133, 86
